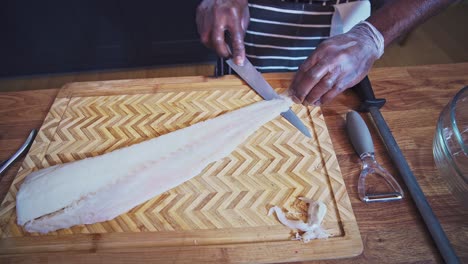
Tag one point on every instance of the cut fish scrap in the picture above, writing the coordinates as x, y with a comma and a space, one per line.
101, 188
312, 229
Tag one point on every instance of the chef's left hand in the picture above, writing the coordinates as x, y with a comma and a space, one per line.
337, 64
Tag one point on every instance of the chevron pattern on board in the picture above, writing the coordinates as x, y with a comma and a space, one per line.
274, 166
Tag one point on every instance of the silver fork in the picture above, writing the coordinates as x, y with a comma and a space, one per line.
4, 165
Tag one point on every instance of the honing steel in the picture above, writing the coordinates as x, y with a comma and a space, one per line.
372, 105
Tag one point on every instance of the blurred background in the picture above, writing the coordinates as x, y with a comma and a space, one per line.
45, 44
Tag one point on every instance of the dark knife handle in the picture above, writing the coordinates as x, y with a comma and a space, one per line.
366, 95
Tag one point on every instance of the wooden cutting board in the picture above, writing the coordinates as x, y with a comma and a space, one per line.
222, 209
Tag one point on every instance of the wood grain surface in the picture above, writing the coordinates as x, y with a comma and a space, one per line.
226, 204
391, 232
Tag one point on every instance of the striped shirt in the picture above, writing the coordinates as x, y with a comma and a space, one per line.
282, 34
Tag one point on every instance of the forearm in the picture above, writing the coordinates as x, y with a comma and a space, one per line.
399, 16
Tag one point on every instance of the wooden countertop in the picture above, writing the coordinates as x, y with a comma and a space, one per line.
391, 232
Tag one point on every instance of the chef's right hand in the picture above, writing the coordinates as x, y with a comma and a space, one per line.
214, 17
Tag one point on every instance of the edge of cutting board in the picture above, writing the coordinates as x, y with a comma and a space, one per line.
195, 243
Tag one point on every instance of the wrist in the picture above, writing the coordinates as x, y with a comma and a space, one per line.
368, 31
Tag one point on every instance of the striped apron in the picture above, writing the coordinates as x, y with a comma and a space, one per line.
282, 34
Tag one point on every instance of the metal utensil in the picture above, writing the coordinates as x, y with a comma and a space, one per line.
373, 105
362, 142
251, 76
22, 150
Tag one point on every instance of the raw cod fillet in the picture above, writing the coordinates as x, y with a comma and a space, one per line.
101, 188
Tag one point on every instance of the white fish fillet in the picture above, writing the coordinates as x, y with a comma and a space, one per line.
100, 188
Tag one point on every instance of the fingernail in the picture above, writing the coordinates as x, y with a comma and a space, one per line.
240, 61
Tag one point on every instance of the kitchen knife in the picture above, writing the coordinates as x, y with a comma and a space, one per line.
252, 77
4, 165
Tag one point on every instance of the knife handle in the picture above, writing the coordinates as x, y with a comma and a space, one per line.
358, 133
366, 95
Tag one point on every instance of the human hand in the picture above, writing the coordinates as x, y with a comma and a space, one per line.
337, 64
214, 17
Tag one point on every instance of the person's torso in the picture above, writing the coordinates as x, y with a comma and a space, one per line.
283, 33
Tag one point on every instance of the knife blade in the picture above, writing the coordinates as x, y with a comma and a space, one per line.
4, 165
253, 78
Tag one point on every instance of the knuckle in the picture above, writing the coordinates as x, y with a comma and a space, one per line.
218, 40
219, 26
238, 49
341, 57
233, 10
303, 68
324, 48
307, 64
340, 88
325, 45
238, 43
329, 82
312, 75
